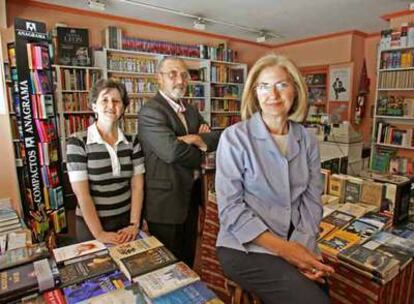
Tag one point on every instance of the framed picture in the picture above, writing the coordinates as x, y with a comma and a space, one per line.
340, 82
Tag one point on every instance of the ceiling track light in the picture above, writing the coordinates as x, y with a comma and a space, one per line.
98, 5
200, 22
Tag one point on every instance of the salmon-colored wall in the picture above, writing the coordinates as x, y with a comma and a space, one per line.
318, 52
96, 23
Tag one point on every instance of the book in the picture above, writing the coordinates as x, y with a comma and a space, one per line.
134, 247
23, 280
380, 264
377, 219
73, 46
353, 189
167, 279
105, 283
23, 255
146, 261
336, 241
90, 268
7, 215
372, 193
338, 219
337, 186
356, 210
128, 294
391, 240
72, 251
195, 293
362, 229
325, 228
325, 180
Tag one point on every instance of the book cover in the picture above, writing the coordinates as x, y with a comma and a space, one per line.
134, 247
7, 214
325, 180
337, 186
338, 219
22, 280
362, 229
82, 270
378, 263
126, 295
353, 189
338, 240
325, 228
144, 262
372, 193
377, 219
73, 46
167, 279
94, 287
195, 293
72, 251
54, 296
23, 255
391, 240
354, 209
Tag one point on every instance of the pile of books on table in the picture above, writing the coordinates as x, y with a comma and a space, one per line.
141, 271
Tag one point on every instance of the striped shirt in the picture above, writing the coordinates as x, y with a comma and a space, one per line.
108, 169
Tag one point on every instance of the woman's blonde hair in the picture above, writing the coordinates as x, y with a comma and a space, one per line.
250, 103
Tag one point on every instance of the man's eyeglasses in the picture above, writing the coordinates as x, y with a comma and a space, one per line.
266, 88
173, 75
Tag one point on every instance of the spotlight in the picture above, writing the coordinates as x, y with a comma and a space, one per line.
199, 24
98, 5
262, 37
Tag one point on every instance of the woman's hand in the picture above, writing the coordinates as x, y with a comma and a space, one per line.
128, 233
109, 237
306, 261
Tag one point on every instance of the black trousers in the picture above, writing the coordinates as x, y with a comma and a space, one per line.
181, 239
271, 278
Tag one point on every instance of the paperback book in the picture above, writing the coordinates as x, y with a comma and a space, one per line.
144, 262
23, 255
134, 247
87, 269
78, 293
195, 293
167, 279
72, 251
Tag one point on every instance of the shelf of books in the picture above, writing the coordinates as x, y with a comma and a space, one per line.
73, 84
215, 86
393, 123
316, 80
36, 141
227, 80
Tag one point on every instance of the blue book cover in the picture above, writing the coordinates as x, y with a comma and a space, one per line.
196, 293
94, 287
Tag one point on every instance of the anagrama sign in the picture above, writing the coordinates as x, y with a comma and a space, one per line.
27, 31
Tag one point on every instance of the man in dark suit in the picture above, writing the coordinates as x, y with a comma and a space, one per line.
173, 136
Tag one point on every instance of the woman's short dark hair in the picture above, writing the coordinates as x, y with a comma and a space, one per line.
104, 84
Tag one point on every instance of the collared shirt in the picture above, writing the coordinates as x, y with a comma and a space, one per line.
178, 108
94, 137
108, 169
259, 189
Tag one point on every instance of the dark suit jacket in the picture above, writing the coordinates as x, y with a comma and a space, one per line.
169, 163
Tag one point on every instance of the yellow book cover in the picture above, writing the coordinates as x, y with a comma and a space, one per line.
325, 228
337, 241
372, 193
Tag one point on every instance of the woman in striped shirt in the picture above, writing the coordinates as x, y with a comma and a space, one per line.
106, 170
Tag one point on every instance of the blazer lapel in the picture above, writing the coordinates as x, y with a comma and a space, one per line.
178, 126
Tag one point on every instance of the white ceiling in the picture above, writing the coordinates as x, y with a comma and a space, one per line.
292, 19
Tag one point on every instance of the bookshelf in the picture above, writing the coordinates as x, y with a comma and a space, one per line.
393, 120
36, 139
73, 84
215, 86
316, 79
227, 80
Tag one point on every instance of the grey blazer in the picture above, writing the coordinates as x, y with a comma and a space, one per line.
169, 163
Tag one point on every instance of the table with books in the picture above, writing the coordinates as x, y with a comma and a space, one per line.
141, 271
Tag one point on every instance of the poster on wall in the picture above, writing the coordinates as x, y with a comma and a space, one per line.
339, 83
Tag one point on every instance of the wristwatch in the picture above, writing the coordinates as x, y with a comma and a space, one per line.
134, 224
